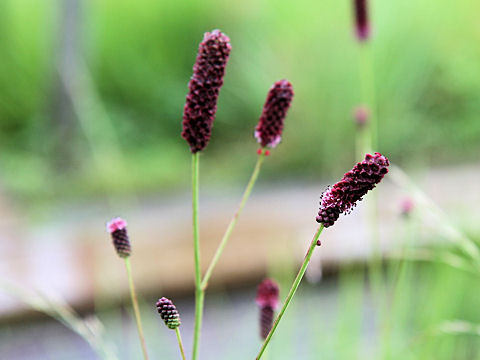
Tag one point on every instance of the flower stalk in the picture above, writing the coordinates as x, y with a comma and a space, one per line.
199, 294
368, 134
136, 310
117, 228
233, 221
180, 343
293, 289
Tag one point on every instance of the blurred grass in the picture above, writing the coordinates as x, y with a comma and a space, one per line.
436, 317
139, 55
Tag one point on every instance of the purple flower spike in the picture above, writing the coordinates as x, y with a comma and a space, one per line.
168, 312
267, 300
343, 196
266, 320
204, 87
117, 227
270, 127
362, 24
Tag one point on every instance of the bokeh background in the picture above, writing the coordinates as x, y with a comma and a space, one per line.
91, 100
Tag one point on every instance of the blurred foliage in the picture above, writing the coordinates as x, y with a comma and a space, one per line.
136, 58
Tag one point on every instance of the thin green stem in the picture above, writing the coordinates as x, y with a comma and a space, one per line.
368, 141
444, 223
180, 343
397, 279
233, 221
293, 289
199, 296
136, 310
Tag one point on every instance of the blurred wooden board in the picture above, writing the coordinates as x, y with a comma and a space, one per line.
72, 256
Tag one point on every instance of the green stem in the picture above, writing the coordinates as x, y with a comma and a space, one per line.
180, 343
233, 222
293, 289
199, 297
135, 308
367, 141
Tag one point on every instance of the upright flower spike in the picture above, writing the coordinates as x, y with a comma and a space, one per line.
168, 312
204, 87
267, 300
362, 24
117, 227
343, 196
270, 126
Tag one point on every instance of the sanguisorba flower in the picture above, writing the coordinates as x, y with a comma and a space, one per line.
361, 115
168, 312
117, 227
270, 126
204, 87
267, 300
343, 196
362, 24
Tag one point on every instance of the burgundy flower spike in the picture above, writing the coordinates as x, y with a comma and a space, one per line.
204, 87
362, 25
168, 312
343, 196
270, 127
267, 300
117, 227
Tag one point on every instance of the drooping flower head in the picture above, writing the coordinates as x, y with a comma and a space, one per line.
267, 300
204, 87
343, 196
117, 227
362, 24
168, 312
270, 126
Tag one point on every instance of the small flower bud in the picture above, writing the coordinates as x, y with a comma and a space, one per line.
168, 312
361, 116
204, 87
270, 126
267, 300
407, 206
343, 196
362, 24
117, 227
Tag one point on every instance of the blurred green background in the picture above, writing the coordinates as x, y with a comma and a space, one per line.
91, 101
92, 92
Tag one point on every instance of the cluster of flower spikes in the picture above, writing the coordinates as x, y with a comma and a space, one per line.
270, 126
204, 87
117, 227
267, 300
343, 196
168, 312
362, 25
